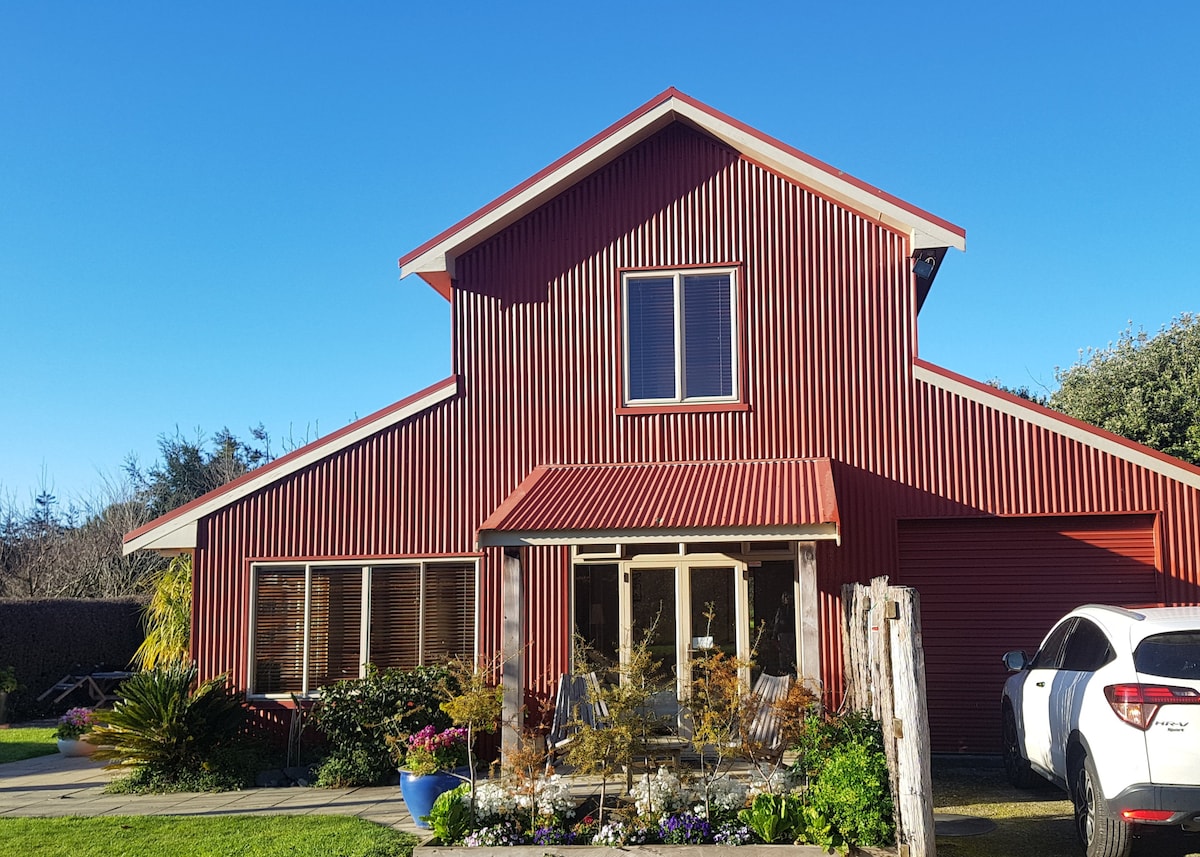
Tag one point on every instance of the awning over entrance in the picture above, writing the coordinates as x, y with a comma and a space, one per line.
787, 499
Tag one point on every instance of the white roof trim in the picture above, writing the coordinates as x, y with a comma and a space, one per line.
178, 532
922, 232
1042, 418
541, 538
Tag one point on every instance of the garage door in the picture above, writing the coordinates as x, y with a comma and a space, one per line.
991, 585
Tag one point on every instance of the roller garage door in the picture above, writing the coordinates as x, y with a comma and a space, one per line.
990, 585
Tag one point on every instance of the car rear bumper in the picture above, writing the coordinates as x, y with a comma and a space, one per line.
1183, 802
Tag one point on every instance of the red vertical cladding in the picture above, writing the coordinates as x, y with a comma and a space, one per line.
827, 317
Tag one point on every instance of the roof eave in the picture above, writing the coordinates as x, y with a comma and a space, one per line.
548, 538
923, 229
177, 529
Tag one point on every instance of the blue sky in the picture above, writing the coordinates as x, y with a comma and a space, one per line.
201, 206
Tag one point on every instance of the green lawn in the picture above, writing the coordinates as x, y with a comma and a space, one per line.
173, 836
18, 744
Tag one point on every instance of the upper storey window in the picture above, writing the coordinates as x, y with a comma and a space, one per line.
680, 336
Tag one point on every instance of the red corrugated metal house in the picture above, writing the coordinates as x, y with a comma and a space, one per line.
685, 375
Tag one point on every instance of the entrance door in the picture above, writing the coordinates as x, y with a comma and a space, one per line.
688, 607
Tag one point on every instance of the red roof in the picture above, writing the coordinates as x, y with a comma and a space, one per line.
700, 499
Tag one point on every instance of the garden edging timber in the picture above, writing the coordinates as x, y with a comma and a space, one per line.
428, 849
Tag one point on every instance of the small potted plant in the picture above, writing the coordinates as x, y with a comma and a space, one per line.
430, 762
71, 728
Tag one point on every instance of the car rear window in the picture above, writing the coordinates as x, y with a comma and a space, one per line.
1174, 655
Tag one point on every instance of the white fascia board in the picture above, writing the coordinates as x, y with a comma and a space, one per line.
174, 541
1126, 451
552, 538
923, 233
177, 533
437, 257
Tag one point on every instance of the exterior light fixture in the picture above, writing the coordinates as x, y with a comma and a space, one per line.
923, 267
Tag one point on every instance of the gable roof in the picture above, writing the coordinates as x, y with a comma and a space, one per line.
433, 261
779, 499
176, 530
1006, 403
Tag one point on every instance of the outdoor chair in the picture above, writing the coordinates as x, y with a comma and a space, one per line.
763, 730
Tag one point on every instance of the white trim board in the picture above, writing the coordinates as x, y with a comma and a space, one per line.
1043, 418
178, 532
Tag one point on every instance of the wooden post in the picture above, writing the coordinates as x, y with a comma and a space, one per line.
808, 670
885, 674
913, 793
512, 638
881, 674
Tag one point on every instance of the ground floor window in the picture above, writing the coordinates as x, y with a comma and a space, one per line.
313, 624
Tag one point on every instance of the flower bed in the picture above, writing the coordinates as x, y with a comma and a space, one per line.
660, 812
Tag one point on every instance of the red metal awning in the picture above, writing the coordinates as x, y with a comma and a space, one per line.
789, 499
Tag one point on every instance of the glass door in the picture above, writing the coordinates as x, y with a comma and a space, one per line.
689, 608
652, 604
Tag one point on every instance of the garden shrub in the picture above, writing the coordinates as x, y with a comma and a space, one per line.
842, 758
172, 728
853, 793
355, 716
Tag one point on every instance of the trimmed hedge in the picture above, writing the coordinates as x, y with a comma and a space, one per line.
46, 639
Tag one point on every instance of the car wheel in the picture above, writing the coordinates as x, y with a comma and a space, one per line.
1101, 833
1016, 766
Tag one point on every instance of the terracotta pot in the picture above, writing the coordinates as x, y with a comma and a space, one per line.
421, 790
75, 747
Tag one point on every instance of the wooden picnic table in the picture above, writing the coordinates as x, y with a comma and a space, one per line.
100, 686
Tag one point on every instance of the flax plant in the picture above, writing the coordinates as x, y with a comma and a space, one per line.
167, 617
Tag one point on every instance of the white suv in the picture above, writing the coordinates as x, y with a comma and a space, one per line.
1109, 709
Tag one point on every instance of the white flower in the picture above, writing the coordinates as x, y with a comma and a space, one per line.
658, 794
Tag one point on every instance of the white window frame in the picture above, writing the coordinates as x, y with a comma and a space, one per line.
677, 274
365, 618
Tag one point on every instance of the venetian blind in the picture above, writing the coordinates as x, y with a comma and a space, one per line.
395, 616
335, 623
707, 335
449, 611
279, 631
650, 319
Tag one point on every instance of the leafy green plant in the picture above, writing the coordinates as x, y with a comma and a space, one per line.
167, 722
356, 716
450, 818
821, 735
168, 616
852, 792
8, 679
775, 818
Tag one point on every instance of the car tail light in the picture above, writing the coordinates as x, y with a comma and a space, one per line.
1137, 704
1147, 814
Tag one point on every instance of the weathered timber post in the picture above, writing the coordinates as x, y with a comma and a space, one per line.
512, 636
885, 674
913, 793
883, 614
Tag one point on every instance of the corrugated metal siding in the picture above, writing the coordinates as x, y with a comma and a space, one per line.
994, 585
677, 495
827, 312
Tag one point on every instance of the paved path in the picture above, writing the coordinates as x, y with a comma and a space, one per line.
58, 785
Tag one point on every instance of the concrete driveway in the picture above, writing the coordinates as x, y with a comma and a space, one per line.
58, 785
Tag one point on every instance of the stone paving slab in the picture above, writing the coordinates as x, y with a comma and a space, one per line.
55, 786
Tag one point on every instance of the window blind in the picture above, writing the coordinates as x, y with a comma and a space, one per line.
708, 336
279, 631
395, 616
650, 314
335, 617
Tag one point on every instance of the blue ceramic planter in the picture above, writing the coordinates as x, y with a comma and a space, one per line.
421, 790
